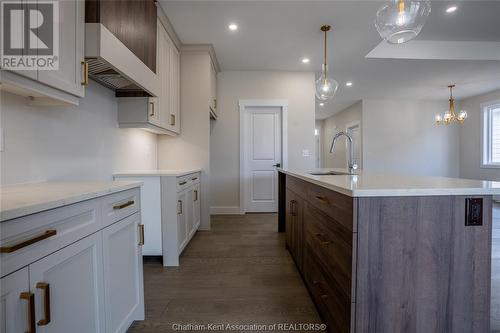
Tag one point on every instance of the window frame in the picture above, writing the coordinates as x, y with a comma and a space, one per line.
486, 110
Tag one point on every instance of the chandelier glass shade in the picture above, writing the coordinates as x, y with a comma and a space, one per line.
399, 21
450, 116
325, 86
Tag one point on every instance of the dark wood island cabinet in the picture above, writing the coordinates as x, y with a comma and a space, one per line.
390, 263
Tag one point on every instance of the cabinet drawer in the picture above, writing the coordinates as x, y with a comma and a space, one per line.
331, 244
334, 307
32, 237
186, 181
120, 205
335, 205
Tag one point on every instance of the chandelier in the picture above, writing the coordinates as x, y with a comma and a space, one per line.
450, 116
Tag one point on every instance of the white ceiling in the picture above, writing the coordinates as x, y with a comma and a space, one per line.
276, 35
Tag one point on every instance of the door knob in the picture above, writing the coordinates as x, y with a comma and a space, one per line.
277, 165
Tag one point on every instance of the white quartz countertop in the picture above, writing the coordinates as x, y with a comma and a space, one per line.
26, 199
156, 173
378, 185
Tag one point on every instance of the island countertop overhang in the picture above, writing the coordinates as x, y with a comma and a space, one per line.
365, 184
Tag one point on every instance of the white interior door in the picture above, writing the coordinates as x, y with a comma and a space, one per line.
262, 153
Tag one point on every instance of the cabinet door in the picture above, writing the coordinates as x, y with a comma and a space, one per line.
71, 50
14, 306
174, 89
196, 207
123, 280
163, 71
74, 287
182, 227
213, 89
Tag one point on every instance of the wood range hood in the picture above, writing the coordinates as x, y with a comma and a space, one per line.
120, 45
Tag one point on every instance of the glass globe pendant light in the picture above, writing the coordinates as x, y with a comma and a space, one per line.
325, 87
450, 116
399, 21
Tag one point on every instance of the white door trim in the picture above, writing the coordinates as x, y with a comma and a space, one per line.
249, 103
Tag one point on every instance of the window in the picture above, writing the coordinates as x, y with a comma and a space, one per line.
491, 135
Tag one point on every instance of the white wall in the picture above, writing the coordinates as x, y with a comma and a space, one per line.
400, 136
191, 149
470, 139
296, 87
331, 126
70, 143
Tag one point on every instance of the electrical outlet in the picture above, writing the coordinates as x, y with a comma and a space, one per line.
473, 211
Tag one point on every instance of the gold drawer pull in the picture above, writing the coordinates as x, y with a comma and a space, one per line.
195, 195
324, 296
124, 205
293, 208
322, 239
46, 303
322, 199
27, 296
45, 235
172, 119
85, 81
141, 234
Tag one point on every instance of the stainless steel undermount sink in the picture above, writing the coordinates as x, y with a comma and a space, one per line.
331, 173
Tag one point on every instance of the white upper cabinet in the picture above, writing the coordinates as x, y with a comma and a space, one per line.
212, 103
160, 115
66, 83
71, 50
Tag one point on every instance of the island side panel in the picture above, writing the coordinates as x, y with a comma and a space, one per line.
419, 268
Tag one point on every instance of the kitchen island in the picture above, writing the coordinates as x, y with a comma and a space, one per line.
391, 253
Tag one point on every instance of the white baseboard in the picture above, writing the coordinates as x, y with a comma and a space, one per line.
225, 210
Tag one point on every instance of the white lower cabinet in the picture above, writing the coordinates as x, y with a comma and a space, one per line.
123, 258
170, 210
16, 301
71, 281
94, 284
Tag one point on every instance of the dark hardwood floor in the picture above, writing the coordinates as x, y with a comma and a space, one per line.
238, 273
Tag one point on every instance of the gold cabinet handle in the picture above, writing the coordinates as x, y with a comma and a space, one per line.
172, 119
15, 247
293, 207
46, 303
322, 239
141, 234
179, 207
85, 81
124, 205
195, 195
322, 199
152, 109
27, 296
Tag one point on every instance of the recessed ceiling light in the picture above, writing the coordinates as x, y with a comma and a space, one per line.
305, 60
233, 27
348, 84
451, 9
321, 104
